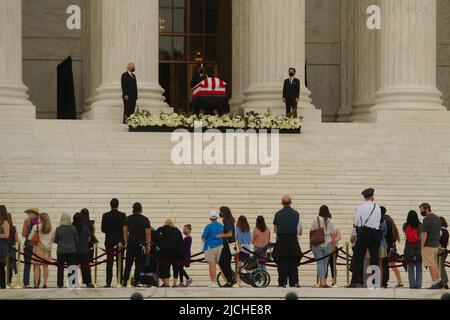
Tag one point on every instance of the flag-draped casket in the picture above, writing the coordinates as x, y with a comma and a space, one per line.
209, 95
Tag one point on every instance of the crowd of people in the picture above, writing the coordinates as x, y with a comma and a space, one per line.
131, 240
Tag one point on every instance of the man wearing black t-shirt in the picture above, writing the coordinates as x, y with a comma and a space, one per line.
137, 237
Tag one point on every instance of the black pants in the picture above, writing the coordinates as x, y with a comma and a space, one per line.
28, 254
164, 270
291, 106
68, 259
129, 107
385, 270
134, 255
2, 276
367, 241
288, 271
225, 264
183, 274
111, 254
83, 261
332, 267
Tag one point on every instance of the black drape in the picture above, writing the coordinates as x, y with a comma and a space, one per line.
66, 91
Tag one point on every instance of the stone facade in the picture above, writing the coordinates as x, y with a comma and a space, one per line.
334, 46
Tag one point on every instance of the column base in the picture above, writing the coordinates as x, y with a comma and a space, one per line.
14, 102
108, 106
361, 113
235, 105
17, 111
310, 115
408, 116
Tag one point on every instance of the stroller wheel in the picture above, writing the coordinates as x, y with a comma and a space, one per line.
221, 281
260, 279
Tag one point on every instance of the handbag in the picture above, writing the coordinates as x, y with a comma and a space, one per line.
317, 237
36, 239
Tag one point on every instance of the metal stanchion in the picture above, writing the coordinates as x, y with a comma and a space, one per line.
18, 286
236, 269
347, 262
96, 266
119, 267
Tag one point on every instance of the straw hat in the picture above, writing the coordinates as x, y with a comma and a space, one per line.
32, 211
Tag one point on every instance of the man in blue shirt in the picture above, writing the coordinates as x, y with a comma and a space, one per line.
287, 252
213, 245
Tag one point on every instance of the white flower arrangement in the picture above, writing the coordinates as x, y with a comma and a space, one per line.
251, 120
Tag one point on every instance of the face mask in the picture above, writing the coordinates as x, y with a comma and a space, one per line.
291, 74
133, 70
186, 233
423, 213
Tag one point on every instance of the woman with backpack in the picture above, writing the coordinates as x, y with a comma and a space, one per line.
41, 238
413, 251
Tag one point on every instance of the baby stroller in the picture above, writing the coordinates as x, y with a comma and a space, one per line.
150, 271
250, 272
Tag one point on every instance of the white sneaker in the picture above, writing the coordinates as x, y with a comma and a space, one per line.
213, 285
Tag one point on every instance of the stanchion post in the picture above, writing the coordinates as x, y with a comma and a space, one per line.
347, 264
19, 247
119, 267
96, 266
7, 262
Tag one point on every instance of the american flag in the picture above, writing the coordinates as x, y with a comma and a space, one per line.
210, 87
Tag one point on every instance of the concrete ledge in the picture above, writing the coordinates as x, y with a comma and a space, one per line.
197, 293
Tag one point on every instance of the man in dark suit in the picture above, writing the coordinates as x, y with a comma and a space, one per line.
112, 227
129, 91
291, 93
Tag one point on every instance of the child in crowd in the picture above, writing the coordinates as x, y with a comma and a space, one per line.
260, 239
243, 238
187, 244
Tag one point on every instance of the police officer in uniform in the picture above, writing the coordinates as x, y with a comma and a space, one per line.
367, 221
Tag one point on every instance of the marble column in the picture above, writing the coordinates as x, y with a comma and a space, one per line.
14, 100
408, 89
367, 61
129, 32
347, 60
241, 55
277, 42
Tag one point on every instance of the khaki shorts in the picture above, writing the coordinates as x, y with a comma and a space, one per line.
430, 257
383, 252
213, 255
